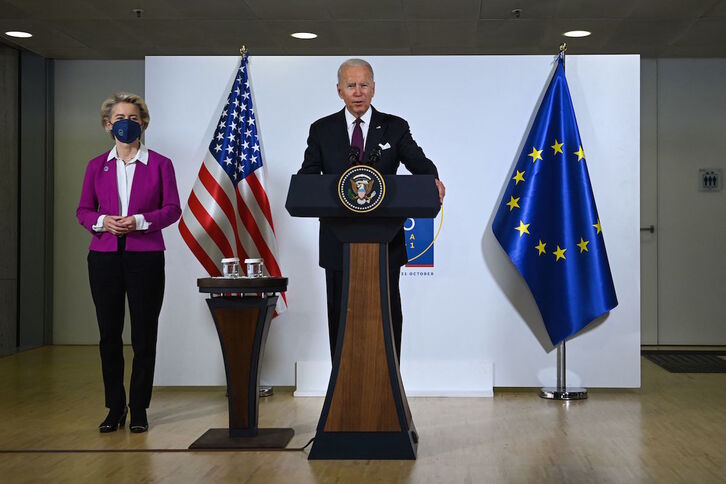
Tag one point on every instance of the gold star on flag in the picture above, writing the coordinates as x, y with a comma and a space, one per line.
540, 248
598, 226
583, 245
519, 177
557, 147
559, 253
512, 203
535, 154
580, 154
523, 228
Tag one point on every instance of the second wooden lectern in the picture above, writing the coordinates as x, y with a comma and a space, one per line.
366, 413
242, 323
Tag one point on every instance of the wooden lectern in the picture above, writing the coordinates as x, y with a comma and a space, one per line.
242, 323
366, 413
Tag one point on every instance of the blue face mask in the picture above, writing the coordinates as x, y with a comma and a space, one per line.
126, 130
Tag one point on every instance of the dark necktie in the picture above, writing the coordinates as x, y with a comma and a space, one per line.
357, 139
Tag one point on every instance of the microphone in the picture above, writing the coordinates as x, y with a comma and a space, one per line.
353, 155
375, 156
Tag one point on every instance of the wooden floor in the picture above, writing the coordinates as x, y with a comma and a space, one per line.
671, 430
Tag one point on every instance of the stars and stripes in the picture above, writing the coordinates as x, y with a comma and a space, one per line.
228, 211
548, 223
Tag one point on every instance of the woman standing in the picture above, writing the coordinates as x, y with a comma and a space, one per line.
129, 194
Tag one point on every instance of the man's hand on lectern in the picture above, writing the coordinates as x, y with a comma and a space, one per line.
442, 190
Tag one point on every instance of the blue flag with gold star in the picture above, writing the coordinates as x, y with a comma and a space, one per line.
548, 224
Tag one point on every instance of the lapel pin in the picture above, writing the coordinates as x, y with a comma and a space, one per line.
105, 168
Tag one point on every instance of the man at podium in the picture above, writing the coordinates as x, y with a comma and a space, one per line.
359, 134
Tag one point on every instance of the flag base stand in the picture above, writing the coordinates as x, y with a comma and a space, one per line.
572, 393
561, 392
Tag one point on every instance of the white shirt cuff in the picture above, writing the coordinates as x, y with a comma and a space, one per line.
99, 224
141, 223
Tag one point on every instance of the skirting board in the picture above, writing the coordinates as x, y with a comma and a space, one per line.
420, 378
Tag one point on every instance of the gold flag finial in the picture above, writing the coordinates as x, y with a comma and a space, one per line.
243, 50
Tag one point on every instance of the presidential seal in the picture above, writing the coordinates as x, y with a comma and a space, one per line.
361, 189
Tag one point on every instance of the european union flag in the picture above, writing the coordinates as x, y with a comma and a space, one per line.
548, 224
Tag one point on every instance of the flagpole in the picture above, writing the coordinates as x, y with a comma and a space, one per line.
561, 392
264, 390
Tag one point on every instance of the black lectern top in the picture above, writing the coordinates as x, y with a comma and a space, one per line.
406, 196
242, 285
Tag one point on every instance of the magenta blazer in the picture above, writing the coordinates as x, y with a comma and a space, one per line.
153, 194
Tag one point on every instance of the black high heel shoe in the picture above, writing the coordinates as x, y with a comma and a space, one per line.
139, 424
113, 420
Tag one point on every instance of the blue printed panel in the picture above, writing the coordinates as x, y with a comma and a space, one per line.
419, 242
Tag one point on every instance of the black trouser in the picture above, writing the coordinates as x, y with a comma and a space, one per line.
334, 289
140, 276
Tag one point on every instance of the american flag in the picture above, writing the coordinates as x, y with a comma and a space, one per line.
228, 212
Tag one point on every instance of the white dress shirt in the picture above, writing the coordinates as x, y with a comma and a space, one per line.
125, 178
350, 119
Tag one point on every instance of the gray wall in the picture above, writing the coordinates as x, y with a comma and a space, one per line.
36, 201
80, 88
9, 68
690, 115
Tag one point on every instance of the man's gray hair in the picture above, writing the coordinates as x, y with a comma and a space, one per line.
355, 63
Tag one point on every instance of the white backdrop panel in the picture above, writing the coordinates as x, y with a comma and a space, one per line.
470, 114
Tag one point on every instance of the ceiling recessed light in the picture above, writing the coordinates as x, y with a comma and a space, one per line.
18, 34
304, 35
577, 33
